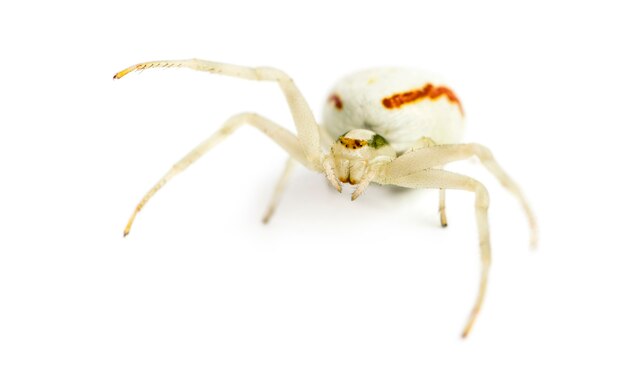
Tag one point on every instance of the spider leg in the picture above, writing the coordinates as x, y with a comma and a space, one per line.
437, 156
429, 142
442, 208
278, 134
306, 127
279, 190
441, 179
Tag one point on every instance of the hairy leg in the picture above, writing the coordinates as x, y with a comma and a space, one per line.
278, 134
437, 156
306, 126
279, 190
442, 208
429, 142
441, 179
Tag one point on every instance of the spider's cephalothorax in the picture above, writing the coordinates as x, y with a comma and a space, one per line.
357, 155
392, 126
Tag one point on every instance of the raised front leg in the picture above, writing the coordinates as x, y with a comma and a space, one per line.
306, 126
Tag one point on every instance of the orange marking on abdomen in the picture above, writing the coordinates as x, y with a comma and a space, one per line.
334, 98
428, 91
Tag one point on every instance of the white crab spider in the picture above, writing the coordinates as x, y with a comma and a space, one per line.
389, 126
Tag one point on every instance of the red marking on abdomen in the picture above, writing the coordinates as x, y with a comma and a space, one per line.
428, 91
334, 98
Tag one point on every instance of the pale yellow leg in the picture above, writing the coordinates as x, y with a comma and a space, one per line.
441, 179
281, 136
442, 208
306, 126
429, 142
437, 156
279, 190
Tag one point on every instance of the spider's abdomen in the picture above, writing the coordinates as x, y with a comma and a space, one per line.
402, 105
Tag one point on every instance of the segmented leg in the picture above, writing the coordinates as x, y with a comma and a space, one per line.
306, 126
278, 134
429, 142
441, 179
442, 208
279, 190
437, 156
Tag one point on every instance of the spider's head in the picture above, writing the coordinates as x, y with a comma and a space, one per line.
356, 156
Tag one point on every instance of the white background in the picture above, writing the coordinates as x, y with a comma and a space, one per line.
329, 285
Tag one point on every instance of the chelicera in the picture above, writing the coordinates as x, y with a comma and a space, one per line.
389, 126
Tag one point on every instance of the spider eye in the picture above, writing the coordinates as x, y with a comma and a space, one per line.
351, 143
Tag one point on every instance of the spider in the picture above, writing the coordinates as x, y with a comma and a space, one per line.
391, 126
